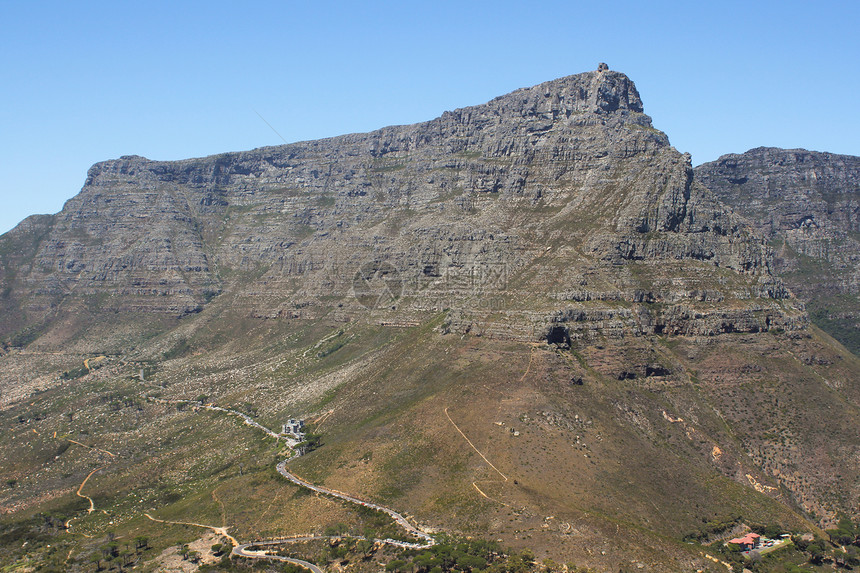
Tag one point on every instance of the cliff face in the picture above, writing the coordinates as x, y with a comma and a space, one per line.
807, 205
553, 206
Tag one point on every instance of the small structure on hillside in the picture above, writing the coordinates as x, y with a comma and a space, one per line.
748, 542
295, 428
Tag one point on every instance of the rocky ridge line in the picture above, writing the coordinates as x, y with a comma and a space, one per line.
806, 204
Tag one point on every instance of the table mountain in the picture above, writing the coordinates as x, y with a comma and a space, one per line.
555, 208
526, 320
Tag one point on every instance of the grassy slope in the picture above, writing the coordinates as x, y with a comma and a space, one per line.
600, 473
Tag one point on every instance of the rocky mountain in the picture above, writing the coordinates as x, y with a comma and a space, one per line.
807, 205
527, 321
558, 204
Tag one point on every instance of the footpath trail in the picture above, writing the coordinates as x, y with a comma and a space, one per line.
489, 463
91, 447
218, 530
80, 489
248, 420
92, 506
532, 349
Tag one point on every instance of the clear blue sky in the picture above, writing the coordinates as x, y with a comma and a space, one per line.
83, 82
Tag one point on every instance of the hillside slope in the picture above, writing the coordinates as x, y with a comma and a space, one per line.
608, 454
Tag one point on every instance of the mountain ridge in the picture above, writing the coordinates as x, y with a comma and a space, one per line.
473, 192
807, 205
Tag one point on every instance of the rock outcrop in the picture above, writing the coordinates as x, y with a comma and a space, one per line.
807, 205
558, 204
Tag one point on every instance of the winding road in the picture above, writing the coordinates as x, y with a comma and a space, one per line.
246, 549
243, 551
250, 422
401, 521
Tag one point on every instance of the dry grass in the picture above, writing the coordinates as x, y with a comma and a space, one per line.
598, 472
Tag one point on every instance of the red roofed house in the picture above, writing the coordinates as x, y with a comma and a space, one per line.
748, 542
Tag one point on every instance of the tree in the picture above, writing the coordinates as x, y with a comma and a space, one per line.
521, 562
310, 443
816, 553
425, 561
799, 542
772, 531
852, 556
226, 545
125, 557
845, 533
110, 550
468, 562
335, 530
839, 557
365, 547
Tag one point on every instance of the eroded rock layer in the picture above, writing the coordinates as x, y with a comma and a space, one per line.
553, 206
